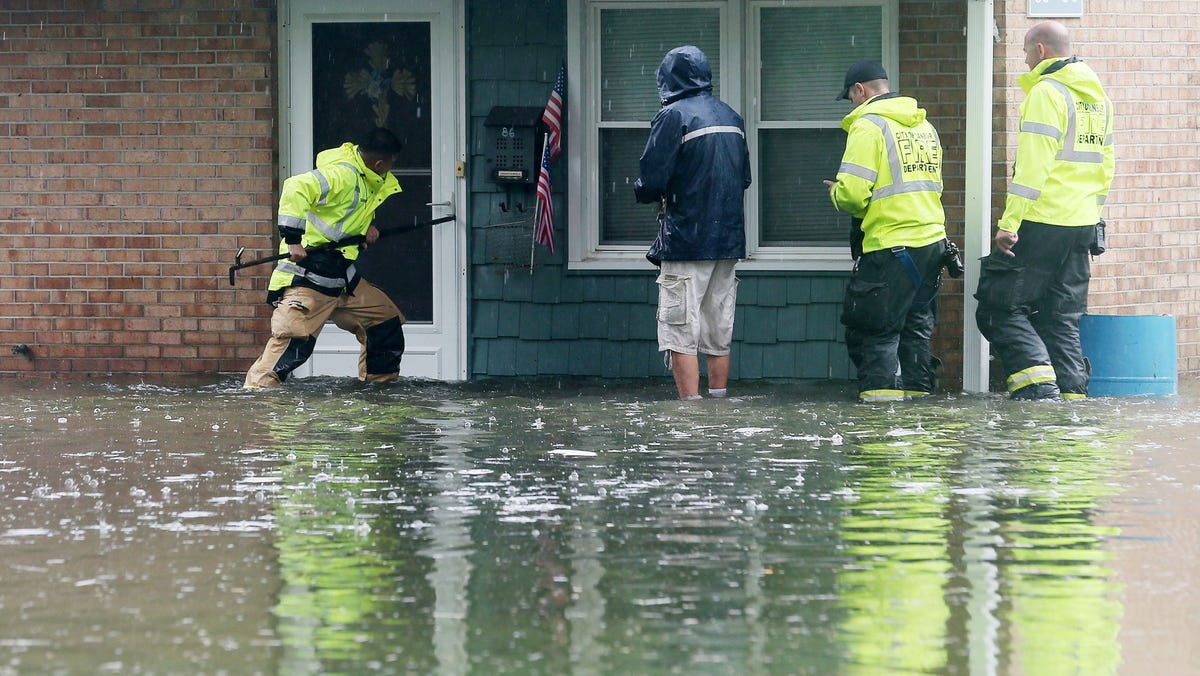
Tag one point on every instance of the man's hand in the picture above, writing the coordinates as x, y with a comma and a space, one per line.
296, 252
371, 236
1005, 241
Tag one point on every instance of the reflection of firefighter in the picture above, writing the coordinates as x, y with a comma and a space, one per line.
890, 181
334, 202
1033, 288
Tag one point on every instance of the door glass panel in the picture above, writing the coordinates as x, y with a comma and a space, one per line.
378, 74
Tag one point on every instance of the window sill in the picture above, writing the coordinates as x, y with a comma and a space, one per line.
817, 259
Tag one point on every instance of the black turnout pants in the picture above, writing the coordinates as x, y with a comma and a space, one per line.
1030, 303
889, 319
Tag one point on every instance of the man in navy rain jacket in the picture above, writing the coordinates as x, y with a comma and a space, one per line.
696, 166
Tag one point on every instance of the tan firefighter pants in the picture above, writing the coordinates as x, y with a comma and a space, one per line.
301, 314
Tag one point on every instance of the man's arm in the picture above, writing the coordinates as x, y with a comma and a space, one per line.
657, 164
299, 194
1043, 123
858, 173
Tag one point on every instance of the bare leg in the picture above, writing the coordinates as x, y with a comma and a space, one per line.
718, 372
686, 369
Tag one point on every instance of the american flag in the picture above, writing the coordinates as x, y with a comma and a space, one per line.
552, 117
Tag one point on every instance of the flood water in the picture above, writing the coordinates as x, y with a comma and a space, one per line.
575, 528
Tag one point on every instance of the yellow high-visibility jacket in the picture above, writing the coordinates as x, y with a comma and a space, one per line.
333, 202
891, 174
1065, 158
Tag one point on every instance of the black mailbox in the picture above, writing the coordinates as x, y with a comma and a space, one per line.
513, 143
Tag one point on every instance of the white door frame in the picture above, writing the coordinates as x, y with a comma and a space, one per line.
977, 241
436, 350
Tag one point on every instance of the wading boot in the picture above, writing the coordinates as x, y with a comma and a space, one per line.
1036, 391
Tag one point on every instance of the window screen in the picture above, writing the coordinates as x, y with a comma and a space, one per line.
805, 52
632, 45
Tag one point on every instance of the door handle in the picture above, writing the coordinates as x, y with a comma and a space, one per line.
447, 203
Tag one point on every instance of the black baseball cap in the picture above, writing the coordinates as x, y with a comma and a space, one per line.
863, 71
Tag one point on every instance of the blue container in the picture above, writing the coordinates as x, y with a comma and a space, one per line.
1130, 354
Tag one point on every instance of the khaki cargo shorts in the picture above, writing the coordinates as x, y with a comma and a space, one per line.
696, 300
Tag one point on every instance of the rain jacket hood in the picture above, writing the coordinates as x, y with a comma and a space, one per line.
684, 72
348, 152
902, 109
696, 165
1075, 74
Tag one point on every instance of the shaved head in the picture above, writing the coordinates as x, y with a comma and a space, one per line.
1053, 36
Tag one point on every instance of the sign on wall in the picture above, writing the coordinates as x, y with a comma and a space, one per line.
1057, 9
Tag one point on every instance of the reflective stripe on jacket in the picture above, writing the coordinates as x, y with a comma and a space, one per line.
891, 174
333, 202
1065, 156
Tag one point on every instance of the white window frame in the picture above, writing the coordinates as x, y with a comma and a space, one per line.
740, 58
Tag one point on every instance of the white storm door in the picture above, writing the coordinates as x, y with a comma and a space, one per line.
351, 66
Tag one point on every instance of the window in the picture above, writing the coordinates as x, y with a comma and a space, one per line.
779, 65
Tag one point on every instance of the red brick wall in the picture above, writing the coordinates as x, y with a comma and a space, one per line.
137, 153
1147, 53
933, 69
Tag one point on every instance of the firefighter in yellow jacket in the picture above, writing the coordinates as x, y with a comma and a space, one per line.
1033, 286
890, 181
333, 203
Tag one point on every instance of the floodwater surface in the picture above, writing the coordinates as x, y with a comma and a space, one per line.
561, 527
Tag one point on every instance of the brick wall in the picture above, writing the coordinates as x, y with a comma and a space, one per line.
1147, 53
933, 70
137, 153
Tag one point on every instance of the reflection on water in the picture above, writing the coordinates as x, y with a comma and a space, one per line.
556, 527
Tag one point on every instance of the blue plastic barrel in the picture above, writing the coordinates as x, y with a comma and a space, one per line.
1130, 354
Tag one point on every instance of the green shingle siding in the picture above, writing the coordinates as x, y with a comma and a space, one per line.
535, 322
759, 325
778, 359
509, 322
618, 322
772, 292
485, 320
793, 321
554, 358
564, 321
593, 320
822, 321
